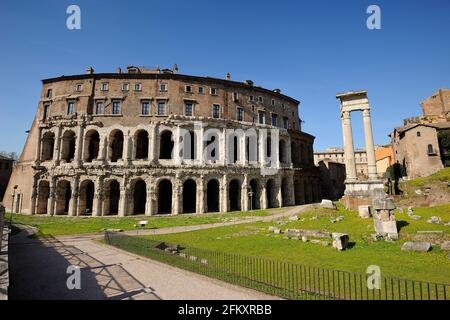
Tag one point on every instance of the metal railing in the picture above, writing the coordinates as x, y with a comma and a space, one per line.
280, 278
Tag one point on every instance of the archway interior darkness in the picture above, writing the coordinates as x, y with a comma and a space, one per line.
68, 146
235, 195
235, 149
254, 199
114, 196
285, 191
142, 145
116, 146
298, 192
212, 195
93, 147
48, 143
282, 152
166, 145
165, 197
271, 194
64, 193
269, 147
87, 198
189, 196
140, 197
43, 195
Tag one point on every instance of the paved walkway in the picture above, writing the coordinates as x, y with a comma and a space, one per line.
38, 269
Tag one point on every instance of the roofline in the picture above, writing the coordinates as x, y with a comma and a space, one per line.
165, 76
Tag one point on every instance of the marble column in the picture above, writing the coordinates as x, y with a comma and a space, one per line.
51, 198
149, 200
127, 149
200, 131
263, 199
349, 154
224, 195
370, 149
123, 200
244, 194
73, 203
279, 195
98, 198
200, 196
34, 197
177, 206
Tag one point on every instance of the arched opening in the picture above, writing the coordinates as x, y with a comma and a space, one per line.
189, 196
166, 145
235, 149
282, 152
234, 194
271, 194
68, 146
295, 154
268, 146
112, 197
48, 145
254, 196
92, 145
212, 147
285, 192
115, 145
63, 197
139, 197
189, 144
298, 192
141, 146
165, 197
43, 195
212, 196
86, 200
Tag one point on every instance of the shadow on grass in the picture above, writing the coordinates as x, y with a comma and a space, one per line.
402, 224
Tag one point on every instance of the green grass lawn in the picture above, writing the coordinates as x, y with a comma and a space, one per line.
57, 226
255, 240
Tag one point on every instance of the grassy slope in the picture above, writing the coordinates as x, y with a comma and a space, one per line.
255, 240
57, 226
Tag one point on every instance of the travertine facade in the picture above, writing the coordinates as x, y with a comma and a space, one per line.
104, 144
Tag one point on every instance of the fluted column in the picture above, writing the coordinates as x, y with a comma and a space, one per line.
51, 197
370, 149
200, 131
127, 149
349, 153
244, 194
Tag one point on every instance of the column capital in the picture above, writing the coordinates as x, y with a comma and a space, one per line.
366, 113
345, 114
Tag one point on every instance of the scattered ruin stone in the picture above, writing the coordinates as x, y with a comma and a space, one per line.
314, 218
364, 212
384, 218
417, 246
434, 220
293, 218
304, 239
272, 228
340, 240
430, 232
325, 243
415, 217
328, 204
183, 255
112, 230
307, 233
277, 231
376, 237
281, 223
445, 245
419, 192
316, 241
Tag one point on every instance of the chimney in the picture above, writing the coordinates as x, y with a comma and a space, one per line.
175, 69
90, 70
228, 76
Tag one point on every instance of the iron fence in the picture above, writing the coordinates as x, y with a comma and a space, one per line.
280, 278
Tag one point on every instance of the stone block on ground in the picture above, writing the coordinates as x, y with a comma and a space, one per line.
416, 246
445, 245
340, 241
364, 212
434, 220
293, 218
328, 204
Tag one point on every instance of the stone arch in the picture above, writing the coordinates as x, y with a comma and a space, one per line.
189, 196
254, 200
91, 145
234, 195
166, 145
141, 145
63, 197
272, 201
165, 191
115, 149
213, 196
48, 145
43, 196
86, 198
112, 197
68, 146
139, 188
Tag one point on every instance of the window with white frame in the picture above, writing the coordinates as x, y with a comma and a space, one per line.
235, 96
260, 99
188, 109
163, 87
145, 108
188, 88
137, 87
99, 107
46, 112
161, 111
274, 119
201, 90
79, 87
240, 114
216, 111
116, 107
251, 98
71, 107
105, 86
213, 91
125, 87
261, 117
285, 122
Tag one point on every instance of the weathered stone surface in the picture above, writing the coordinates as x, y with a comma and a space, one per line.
293, 218
304, 238
340, 241
307, 233
364, 212
328, 204
277, 231
445, 245
272, 228
417, 246
384, 204
415, 217
434, 220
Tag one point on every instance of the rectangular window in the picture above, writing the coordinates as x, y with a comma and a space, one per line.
99, 108
240, 114
145, 108
251, 98
216, 111
188, 89
161, 108
261, 117
213, 91
46, 111
125, 87
235, 96
285, 122
201, 90
105, 86
79, 87
71, 107
272, 102
163, 87
137, 87
188, 108
260, 99
116, 107
274, 119
49, 93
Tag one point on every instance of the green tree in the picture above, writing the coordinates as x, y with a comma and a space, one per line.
444, 146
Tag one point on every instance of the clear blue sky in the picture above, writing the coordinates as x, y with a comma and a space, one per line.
311, 50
